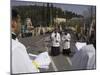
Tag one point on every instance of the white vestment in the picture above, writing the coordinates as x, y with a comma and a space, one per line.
55, 39
66, 41
21, 62
84, 58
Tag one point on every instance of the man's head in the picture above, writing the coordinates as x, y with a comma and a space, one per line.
15, 22
56, 29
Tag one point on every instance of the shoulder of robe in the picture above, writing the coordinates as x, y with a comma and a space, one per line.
16, 44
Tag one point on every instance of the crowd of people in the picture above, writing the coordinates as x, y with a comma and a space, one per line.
21, 62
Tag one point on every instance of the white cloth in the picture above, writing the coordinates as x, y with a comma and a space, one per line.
66, 41
79, 45
32, 56
43, 60
85, 58
55, 40
21, 62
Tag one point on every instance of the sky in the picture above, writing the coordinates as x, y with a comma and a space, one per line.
78, 9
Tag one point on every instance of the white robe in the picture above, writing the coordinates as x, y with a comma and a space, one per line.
54, 39
84, 58
66, 44
21, 62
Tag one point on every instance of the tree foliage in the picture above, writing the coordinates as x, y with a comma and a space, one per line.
43, 15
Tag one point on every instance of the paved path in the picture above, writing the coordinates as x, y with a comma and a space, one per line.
38, 44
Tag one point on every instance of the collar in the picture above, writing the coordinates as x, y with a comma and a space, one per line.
14, 36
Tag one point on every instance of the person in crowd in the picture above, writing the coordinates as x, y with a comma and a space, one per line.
55, 40
66, 38
20, 60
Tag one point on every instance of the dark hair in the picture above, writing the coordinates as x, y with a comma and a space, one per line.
14, 14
